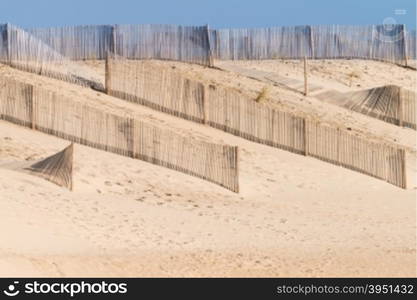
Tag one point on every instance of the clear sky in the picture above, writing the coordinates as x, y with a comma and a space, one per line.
216, 13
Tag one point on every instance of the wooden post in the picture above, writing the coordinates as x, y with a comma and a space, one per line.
400, 108
6, 39
404, 168
32, 106
405, 46
211, 62
107, 74
237, 169
134, 147
387, 162
217, 49
132, 137
305, 123
305, 77
112, 40
205, 104
338, 146
311, 41
372, 42
72, 170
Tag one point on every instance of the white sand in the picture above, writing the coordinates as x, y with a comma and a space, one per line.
294, 216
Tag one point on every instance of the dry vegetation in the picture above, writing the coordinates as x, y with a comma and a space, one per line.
263, 95
354, 74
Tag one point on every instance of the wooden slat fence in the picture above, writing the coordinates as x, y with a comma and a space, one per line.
171, 42
3, 44
239, 114
197, 44
342, 148
389, 103
261, 43
26, 52
88, 42
242, 116
52, 51
408, 108
155, 86
52, 113
411, 42
56, 168
378, 42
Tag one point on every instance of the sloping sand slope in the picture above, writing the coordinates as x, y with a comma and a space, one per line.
389, 103
293, 101
295, 216
278, 97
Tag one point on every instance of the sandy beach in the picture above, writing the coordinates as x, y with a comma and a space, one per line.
294, 215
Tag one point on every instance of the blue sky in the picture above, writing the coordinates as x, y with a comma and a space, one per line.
216, 13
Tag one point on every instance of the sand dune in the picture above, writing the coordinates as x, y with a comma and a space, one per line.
294, 215
293, 101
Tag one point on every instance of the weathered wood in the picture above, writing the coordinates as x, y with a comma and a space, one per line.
205, 103
400, 107
404, 42
7, 40
210, 54
32, 107
372, 42
404, 168
305, 77
131, 133
311, 41
411, 43
57, 168
158, 87
82, 42
338, 146
306, 137
118, 134
32, 54
236, 163
71, 188
167, 42
192, 43
107, 75
240, 115
295, 42
113, 45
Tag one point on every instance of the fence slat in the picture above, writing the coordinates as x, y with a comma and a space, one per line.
55, 114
